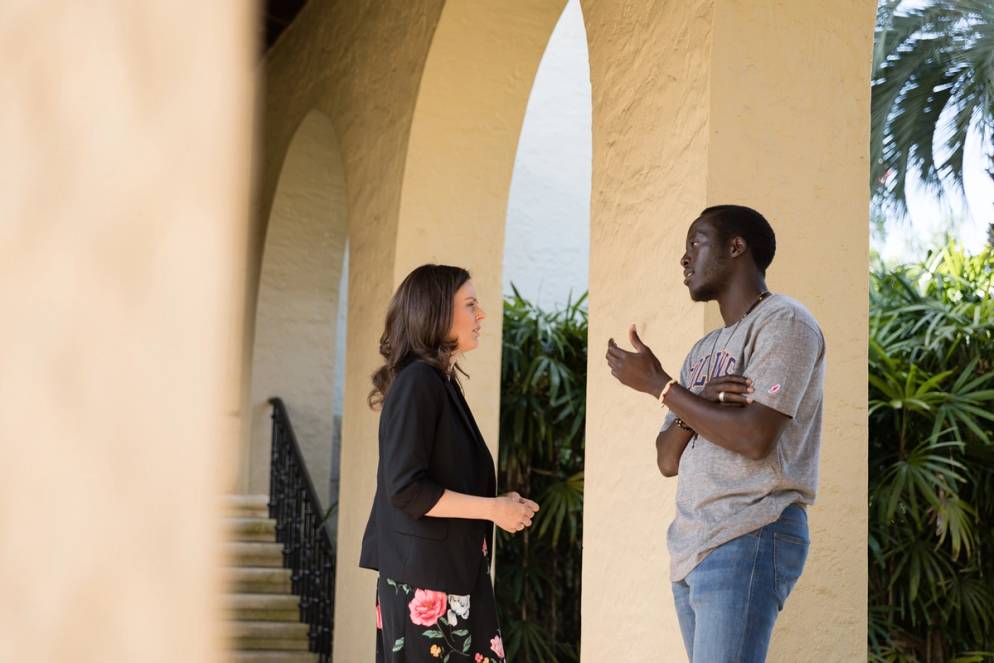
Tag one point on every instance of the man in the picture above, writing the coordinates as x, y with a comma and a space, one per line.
742, 436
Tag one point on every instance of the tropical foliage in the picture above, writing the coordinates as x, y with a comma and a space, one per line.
931, 456
543, 406
933, 83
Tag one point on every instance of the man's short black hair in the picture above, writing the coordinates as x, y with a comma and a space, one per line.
745, 222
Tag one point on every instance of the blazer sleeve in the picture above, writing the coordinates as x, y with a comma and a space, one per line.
410, 418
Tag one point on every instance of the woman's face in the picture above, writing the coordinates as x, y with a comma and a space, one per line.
466, 318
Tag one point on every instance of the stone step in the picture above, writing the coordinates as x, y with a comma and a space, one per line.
257, 580
271, 657
254, 553
274, 636
250, 528
246, 505
263, 607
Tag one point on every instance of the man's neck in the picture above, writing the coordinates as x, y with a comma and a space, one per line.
740, 295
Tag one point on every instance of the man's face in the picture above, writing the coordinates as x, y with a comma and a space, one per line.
705, 262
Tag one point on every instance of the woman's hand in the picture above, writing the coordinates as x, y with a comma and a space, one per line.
512, 512
729, 389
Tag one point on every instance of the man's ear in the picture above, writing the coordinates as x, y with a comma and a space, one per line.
737, 247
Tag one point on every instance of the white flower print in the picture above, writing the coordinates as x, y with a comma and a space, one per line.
459, 605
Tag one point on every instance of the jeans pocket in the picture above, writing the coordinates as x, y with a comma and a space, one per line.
789, 555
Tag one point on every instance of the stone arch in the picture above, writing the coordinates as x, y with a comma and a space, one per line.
457, 176
296, 315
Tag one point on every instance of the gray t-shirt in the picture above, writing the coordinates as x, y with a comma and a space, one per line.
721, 494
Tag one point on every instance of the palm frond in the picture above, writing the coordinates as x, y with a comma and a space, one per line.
933, 83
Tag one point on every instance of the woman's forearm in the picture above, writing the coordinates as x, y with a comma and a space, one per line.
460, 505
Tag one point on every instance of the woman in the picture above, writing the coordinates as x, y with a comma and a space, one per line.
429, 533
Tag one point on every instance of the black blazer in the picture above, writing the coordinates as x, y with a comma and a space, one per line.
429, 441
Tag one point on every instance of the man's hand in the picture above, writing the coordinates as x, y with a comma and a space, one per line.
639, 370
729, 390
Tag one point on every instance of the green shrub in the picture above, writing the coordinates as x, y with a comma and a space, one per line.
542, 415
931, 456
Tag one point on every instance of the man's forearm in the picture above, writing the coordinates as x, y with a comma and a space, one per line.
670, 444
729, 427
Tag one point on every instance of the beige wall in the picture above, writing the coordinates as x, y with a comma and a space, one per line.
650, 88
297, 310
742, 103
460, 157
126, 132
351, 66
360, 63
790, 98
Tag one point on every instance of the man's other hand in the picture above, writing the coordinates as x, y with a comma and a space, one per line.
639, 370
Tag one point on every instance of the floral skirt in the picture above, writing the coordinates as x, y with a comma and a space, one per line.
416, 624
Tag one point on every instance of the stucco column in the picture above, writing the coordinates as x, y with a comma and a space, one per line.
126, 130
701, 103
360, 63
464, 137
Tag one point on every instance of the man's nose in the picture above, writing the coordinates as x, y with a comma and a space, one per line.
685, 260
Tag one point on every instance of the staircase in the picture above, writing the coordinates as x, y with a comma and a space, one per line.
265, 614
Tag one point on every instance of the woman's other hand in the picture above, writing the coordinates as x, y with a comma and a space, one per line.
513, 513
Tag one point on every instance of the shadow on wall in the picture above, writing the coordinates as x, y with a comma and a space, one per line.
300, 312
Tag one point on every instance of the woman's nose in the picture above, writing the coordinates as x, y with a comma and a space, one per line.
480, 314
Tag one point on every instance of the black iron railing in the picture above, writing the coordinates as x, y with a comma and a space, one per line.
307, 549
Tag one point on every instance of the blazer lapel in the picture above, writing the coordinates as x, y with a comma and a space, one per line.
485, 457
457, 399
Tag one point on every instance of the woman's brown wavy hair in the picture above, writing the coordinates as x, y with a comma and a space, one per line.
417, 326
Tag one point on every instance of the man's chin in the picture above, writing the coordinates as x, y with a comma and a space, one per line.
700, 295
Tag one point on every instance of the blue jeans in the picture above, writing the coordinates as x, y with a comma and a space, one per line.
728, 604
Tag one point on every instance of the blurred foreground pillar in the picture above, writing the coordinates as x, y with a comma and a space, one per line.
123, 186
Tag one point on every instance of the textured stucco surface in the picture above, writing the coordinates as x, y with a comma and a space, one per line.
359, 63
648, 71
297, 313
790, 95
460, 158
126, 137
764, 103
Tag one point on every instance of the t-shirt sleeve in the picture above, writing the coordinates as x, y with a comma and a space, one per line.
684, 377
785, 354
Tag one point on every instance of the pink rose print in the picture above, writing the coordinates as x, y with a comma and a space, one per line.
427, 606
484, 547
379, 617
479, 657
497, 645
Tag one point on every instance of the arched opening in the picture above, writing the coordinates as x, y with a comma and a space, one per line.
543, 382
547, 237
300, 316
